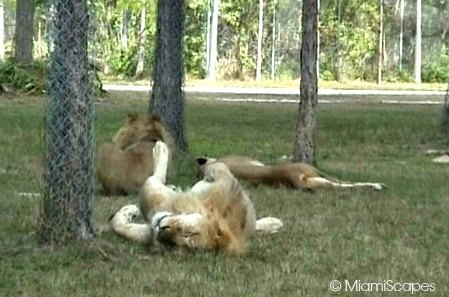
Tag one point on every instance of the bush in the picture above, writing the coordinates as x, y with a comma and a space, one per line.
21, 78
32, 78
438, 70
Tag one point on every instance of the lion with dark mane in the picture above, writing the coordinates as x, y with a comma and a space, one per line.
124, 164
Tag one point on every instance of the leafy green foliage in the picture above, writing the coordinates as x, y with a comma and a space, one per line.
195, 38
123, 62
24, 79
349, 25
437, 70
32, 79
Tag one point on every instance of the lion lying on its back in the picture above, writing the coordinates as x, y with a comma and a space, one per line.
124, 164
216, 214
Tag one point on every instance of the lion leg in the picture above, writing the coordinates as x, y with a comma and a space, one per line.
160, 157
268, 225
121, 224
201, 187
154, 194
321, 182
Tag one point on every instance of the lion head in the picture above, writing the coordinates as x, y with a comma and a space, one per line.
195, 231
142, 127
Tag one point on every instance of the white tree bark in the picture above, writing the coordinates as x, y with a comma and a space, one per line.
259, 43
212, 65
142, 38
124, 29
339, 53
208, 34
380, 42
418, 42
2, 30
401, 33
273, 44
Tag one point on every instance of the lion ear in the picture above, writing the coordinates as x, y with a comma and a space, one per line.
132, 117
201, 160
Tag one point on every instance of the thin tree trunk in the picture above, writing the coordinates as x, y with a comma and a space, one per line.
23, 49
418, 43
2, 30
141, 46
259, 43
401, 33
446, 111
273, 44
213, 54
304, 150
124, 28
208, 35
379, 42
339, 52
67, 200
167, 98
318, 39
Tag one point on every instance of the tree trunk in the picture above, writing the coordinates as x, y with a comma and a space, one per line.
126, 15
141, 46
304, 150
23, 49
2, 30
273, 44
446, 111
379, 42
167, 98
339, 51
418, 43
66, 212
259, 43
401, 33
318, 3
213, 50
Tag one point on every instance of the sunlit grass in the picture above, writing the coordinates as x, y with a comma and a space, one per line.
400, 234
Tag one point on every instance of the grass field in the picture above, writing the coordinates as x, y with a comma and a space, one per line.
400, 234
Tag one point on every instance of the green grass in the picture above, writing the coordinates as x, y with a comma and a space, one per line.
400, 234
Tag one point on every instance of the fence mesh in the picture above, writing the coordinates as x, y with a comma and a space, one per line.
69, 175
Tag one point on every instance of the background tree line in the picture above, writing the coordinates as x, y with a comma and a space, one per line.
123, 36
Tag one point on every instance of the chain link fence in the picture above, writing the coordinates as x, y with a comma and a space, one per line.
66, 212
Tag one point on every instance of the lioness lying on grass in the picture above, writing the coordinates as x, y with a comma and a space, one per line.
125, 164
216, 214
294, 175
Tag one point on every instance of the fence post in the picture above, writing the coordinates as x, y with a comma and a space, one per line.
66, 212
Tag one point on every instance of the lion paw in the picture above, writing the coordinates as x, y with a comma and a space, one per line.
268, 225
160, 156
379, 186
126, 214
160, 152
